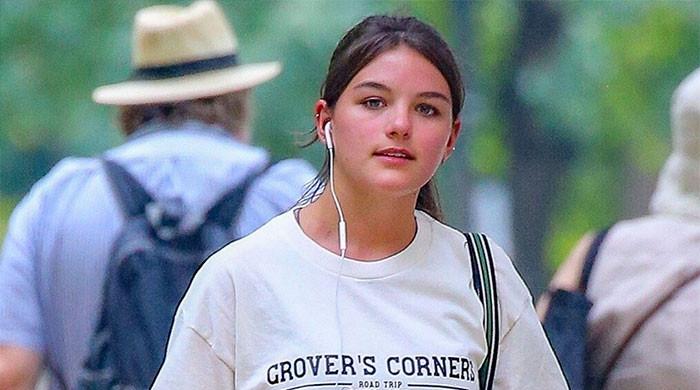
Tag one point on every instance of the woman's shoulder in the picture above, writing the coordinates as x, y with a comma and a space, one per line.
259, 247
513, 294
215, 281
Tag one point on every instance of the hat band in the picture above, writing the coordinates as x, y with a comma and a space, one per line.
184, 68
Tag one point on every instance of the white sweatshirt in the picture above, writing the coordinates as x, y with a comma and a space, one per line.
277, 311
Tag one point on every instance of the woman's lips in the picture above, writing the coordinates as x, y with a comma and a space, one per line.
399, 153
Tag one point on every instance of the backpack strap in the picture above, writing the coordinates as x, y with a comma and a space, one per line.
484, 276
590, 259
600, 381
131, 195
226, 210
622, 346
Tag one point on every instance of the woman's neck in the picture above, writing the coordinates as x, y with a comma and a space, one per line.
376, 228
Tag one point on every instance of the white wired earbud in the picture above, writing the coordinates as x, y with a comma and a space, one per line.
342, 237
327, 134
342, 234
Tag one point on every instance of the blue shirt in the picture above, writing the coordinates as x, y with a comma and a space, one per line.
57, 248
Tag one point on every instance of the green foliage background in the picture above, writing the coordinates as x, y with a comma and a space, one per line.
605, 87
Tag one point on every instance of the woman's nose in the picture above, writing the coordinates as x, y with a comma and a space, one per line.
400, 124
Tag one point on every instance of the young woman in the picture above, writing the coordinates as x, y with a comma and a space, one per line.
362, 286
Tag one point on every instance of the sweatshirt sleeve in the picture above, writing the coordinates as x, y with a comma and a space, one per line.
525, 358
191, 363
200, 352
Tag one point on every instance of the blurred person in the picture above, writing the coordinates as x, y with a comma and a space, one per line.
365, 287
644, 280
185, 113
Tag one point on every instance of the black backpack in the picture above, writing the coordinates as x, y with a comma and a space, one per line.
566, 323
152, 263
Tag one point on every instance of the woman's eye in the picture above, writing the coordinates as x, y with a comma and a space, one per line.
427, 110
373, 103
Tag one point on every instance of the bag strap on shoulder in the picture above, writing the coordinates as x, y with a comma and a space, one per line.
600, 381
634, 331
590, 259
226, 210
484, 277
131, 195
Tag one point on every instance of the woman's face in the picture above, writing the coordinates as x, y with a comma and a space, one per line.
392, 125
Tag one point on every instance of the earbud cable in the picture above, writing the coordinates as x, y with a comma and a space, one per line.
342, 244
342, 237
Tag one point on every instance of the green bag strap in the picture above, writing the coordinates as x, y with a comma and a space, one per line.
484, 275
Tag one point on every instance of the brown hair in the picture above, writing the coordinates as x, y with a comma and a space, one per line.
364, 42
230, 111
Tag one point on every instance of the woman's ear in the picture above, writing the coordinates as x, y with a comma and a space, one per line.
321, 117
452, 140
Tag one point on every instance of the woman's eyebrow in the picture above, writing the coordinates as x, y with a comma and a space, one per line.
437, 95
372, 84
380, 86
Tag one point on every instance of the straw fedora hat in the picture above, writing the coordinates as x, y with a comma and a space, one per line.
183, 53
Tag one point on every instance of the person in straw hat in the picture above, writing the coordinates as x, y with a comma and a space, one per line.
644, 321
185, 112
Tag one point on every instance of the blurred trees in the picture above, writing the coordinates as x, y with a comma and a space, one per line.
575, 111
539, 153
567, 101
